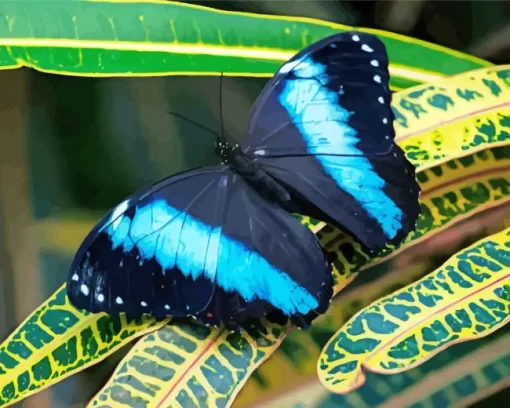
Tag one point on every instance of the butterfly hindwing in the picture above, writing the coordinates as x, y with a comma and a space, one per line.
323, 126
276, 242
205, 244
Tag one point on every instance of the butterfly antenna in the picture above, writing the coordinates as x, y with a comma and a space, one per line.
194, 123
222, 137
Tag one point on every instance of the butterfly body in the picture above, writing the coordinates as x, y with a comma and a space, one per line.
220, 243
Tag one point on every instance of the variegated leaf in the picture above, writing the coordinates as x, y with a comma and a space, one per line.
467, 112
468, 297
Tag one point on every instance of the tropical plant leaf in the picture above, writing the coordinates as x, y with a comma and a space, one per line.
471, 387
435, 121
148, 38
156, 372
468, 297
460, 374
473, 377
56, 341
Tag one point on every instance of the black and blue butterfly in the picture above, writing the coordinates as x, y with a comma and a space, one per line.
221, 243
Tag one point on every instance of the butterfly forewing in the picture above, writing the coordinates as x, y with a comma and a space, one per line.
155, 252
323, 127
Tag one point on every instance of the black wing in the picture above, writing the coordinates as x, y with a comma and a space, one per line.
204, 244
323, 127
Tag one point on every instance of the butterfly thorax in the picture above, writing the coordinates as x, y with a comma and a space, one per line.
250, 170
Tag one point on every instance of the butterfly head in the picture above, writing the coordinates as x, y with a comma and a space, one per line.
226, 151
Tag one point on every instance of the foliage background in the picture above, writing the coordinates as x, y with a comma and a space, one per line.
73, 147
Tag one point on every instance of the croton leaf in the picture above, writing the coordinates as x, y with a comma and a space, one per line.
459, 376
465, 113
468, 297
147, 38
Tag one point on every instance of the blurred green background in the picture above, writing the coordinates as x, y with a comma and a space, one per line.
70, 148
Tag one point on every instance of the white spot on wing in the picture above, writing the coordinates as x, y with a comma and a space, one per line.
117, 212
380, 99
143, 304
259, 152
100, 297
374, 63
289, 66
84, 289
385, 120
355, 38
119, 300
366, 48
167, 307
75, 278
377, 78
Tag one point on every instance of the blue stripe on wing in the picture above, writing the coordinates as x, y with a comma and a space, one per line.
175, 238
323, 123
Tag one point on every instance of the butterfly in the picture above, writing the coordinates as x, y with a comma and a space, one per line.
221, 243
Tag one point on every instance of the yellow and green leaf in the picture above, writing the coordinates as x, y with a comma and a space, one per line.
459, 375
464, 113
468, 297
148, 38
56, 341
482, 373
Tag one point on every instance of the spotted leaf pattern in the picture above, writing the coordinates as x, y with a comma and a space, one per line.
458, 376
466, 112
56, 341
470, 385
468, 297
166, 356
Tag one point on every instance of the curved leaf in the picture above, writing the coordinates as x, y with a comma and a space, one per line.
56, 341
461, 374
147, 38
463, 113
470, 385
468, 297
156, 372
482, 372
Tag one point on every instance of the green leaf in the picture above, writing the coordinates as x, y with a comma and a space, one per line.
459, 375
58, 340
147, 38
467, 298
